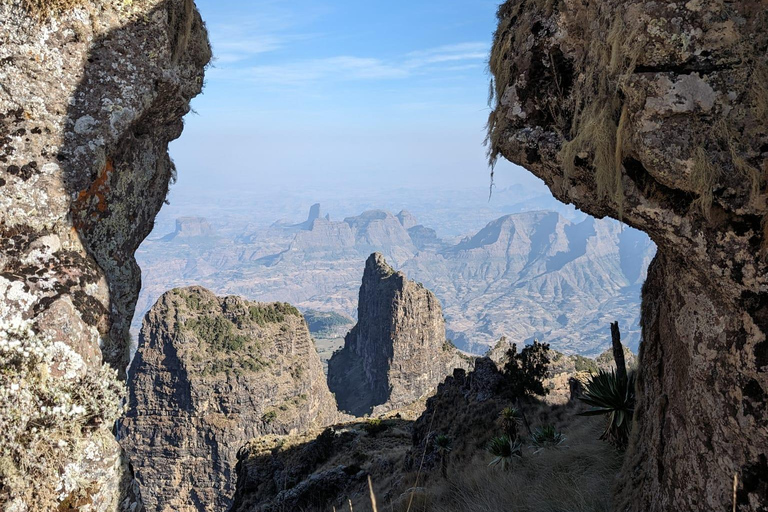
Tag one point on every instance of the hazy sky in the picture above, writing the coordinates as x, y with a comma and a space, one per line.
341, 93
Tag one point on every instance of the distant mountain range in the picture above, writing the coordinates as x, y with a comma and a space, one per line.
524, 275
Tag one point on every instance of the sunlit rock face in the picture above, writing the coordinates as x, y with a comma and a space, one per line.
656, 113
92, 92
397, 352
210, 374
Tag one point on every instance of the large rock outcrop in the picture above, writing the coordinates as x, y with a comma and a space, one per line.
657, 113
91, 94
210, 374
397, 352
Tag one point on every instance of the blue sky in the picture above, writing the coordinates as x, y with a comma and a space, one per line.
338, 93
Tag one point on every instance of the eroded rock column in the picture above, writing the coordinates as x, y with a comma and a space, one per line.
90, 96
657, 114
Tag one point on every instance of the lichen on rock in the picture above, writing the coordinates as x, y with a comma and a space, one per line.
92, 92
654, 113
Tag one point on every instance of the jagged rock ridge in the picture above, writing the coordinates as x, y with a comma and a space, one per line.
655, 113
397, 352
85, 121
211, 373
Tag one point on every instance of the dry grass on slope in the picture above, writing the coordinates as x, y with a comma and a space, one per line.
575, 477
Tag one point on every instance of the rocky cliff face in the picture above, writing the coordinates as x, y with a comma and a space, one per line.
397, 352
656, 113
92, 92
210, 374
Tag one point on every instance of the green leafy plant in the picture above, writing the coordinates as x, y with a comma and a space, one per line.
269, 417
503, 449
510, 419
546, 436
526, 371
443, 448
614, 397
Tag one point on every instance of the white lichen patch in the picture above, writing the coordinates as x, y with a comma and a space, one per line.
50, 424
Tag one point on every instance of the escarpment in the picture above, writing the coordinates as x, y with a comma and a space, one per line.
397, 352
92, 92
210, 374
657, 114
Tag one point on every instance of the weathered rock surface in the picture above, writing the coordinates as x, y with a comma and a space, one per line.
92, 92
397, 352
656, 113
211, 373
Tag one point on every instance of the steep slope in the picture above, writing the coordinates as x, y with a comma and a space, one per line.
655, 113
397, 352
539, 275
85, 122
209, 374
526, 275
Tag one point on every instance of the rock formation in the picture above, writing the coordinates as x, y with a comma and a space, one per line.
655, 113
190, 227
397, 352
92, 92
211, 373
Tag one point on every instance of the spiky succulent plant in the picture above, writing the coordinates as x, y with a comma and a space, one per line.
612, 396
503, 449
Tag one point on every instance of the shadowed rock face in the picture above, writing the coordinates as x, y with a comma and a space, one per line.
656, 113
90, 98
397, 352
210, 374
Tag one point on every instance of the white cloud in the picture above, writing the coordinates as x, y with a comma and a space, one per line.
453, 58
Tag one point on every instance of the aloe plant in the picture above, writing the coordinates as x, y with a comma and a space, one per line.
613, 396
443, 447
546, 436
503, 450
510, 418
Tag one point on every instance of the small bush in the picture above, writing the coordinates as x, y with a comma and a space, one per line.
268, 417
271, 313
510, 418
375, 426
217, 331
525, 371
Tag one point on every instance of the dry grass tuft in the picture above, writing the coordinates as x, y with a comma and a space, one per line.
45, 9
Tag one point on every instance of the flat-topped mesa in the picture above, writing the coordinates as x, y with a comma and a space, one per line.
397, 352
656, 113
92, 92
190, 227
210, 374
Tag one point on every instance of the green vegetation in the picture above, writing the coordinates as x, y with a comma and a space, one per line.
43, 9
525, 371
503, 449
614, 397
443, 448
271, 313
510, 419
546, 436
324, 323
218, 332
375, 426
585, 364
268, 417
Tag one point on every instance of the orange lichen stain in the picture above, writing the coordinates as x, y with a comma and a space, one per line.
98, 189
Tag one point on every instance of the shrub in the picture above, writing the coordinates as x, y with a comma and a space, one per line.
503, 450
443, 447
525, 371
510, 418
268, 417
217, 331
374, 426
614, 397
263, 314
546, 436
